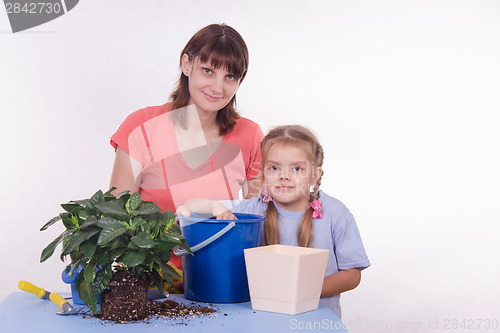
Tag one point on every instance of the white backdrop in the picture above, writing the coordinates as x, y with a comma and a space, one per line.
404, 96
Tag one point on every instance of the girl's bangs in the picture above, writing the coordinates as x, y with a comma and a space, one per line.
285, 142
225, 55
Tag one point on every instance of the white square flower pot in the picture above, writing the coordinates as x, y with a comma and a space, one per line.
285, 279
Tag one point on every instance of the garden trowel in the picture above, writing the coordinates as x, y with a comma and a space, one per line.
67, 308
31, 288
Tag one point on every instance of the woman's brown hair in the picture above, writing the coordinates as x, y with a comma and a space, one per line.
302, 137
222, 47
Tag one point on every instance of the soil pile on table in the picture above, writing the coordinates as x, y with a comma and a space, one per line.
173, 310
168, 309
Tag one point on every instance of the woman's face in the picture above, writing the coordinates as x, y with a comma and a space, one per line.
210, 88
288, 173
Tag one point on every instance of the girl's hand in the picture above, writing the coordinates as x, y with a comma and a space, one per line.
183, 211
205, 206
221, 212
227, 215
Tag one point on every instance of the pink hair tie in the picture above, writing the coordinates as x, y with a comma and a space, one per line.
317, 206
265, 196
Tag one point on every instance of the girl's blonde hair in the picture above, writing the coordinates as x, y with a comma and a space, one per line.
222, 47
301, 137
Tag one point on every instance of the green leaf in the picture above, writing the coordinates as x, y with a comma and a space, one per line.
174, 237
75, 221
139, 270
70, 207
49, 250
134, 201
51, 222
76, 239
107, 221
88, 222
102, 279
113, 209
175, 240
111, 232
168, 271
149, 208
102, 259
85, 292
137, 222
75, 264
88, 247
175, 228
69, 221
122, 200
83, 214
164, 245
163, 252
97, 198
133, 258
117, 253
143, 240
89, 273
170, 218
155, 229
161, 225
132, 246
82, 202
108, 197
145, 227
108, 192
124, 192
158, 281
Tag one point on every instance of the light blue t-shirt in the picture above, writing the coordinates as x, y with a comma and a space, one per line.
336, 232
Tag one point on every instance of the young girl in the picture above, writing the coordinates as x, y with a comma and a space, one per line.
298, 212
196, 144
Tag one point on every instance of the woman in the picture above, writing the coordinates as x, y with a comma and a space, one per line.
196, 144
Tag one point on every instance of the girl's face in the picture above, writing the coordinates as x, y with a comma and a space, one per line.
210, 88
288, 174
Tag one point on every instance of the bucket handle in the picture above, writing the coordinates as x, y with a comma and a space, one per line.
180, 252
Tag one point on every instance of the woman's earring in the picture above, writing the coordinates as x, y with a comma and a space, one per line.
311, 188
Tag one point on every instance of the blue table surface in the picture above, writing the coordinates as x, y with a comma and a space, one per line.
23, 312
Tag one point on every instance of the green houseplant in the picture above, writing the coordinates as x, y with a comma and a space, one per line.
110, 233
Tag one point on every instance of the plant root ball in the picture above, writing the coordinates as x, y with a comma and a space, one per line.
126, 298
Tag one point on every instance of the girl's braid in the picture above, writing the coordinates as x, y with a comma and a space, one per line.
318, 161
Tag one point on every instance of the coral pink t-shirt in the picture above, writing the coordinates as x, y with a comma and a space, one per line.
148, 136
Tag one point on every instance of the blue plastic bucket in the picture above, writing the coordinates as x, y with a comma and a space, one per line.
216, 273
